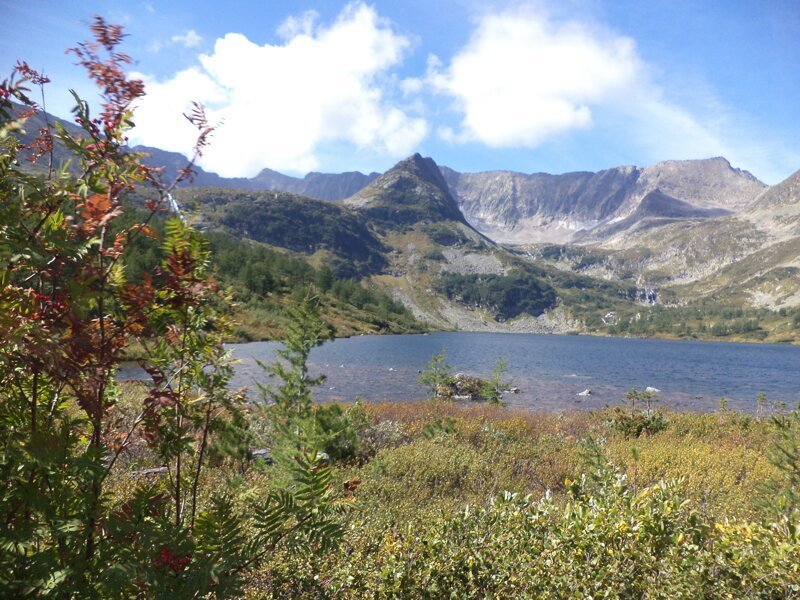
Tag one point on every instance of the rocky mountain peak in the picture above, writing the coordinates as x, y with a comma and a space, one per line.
787, 192
706, 183
414, 190
424, 169
414, 171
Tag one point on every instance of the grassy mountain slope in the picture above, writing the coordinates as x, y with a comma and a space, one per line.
302, 225
263, 281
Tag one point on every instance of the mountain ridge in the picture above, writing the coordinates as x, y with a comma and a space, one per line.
694, 233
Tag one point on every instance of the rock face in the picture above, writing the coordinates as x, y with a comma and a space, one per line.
709, 183
655, 209
511, 207
777, 209
519, 208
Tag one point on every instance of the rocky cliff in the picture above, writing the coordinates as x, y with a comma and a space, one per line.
520, 208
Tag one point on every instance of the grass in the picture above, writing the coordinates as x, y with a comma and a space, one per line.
421, 464
449, 454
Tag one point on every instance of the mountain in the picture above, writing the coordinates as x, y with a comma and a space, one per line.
325, 186
680, 248
404, 235
519, 208
735, 274
411, 192
509, 206
504, 205
451, 275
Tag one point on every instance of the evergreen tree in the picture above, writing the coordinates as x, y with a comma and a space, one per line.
435, 373
305, 331
324, 278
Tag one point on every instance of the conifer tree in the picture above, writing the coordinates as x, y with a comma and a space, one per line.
305, 331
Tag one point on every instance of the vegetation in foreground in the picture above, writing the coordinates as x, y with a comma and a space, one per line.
182, 488
476, 500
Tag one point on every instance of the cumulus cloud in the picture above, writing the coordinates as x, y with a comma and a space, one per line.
281, 103
522, 78
190, 39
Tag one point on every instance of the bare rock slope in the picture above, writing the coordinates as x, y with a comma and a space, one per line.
519, 208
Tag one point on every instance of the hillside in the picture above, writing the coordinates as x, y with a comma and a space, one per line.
296, 223
263, 281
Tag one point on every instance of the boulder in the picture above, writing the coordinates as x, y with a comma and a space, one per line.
154, 472
261, 454
462, 387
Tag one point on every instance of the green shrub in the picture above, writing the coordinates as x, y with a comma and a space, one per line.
337, 431
607, 538
638, 417
435, 374
434, 254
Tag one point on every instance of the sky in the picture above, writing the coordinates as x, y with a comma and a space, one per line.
532, 86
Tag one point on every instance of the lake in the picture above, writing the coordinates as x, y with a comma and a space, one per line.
550, 370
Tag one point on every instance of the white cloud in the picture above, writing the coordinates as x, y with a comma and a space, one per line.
190, 39
302, 25
522, 78
282, 103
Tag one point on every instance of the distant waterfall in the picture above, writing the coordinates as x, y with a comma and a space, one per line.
173, 205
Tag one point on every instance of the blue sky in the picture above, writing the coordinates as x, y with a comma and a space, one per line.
541, 85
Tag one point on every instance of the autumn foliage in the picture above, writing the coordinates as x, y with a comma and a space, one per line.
68, 315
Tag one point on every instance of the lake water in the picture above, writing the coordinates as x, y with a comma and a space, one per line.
550, 370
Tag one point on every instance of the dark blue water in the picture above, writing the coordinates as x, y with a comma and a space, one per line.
551, 369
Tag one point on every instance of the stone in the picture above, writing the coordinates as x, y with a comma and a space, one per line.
263, 454
154, 472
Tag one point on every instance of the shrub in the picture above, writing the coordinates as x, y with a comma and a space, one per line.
635, 420
607, 538
67, 315
435, 374
507, 296
492, 389
434, 254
